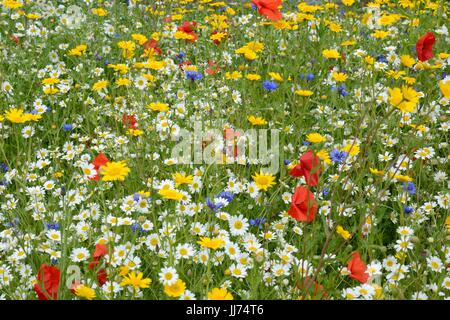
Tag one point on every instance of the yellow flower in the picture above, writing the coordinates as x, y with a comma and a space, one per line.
315, 138
15, 115
158, 106
123, 82
342, 232
264, 181
85, 292
182, 178
304, 93
214, 243
407, 60
331, 54
78, 50
99, 85
376, 171
351, 149
120, 67
348, 2
180, 35
233, 75
380, 34
50, 81
276, 76
400, 177
219, 294
257, 121
171, 194
140, 38
445, 88
175, 290
100, 12
339, 76
136, 281
253, 77
219, 36
113, 171
324, 156
369, 60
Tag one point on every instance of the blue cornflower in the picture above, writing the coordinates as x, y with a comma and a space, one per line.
409, 187
270, 85
67, 126
258, 222
135, 227
337, 156
229, 196
180, 57
136, 197
325, 192
306, 143
193, 75
52, 226
310, 76
287, 162
106, 62
4, 167
381, 58
212, 205
408, 209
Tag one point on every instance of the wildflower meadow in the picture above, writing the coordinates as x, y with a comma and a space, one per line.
224, 150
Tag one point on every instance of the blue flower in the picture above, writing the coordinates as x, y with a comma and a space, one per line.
306, 143
193, 75
408, 209
325, 192
136, 197
287, 162
229, 196
310, 76
67, 126
4, 167
258, 222
52, 226
337, 156
409, 187
270, 85
135, 227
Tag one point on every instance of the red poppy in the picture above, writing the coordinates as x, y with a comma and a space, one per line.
269, 8
357, 268
231, 135
213, 67
100, 160
424, 46
100, 251
188, 27
303, 206
316, 290
309, 167
49, 277
153, 44
130, 121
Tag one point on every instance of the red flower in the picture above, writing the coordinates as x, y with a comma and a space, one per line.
100, 251
231, 136
357, 268
303, 206
269, 8
213, 67
316, 290
100, 160
424, 46
309, 167
49, 277
102, 276
153, 44
188, 27
130, 121
217, 42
